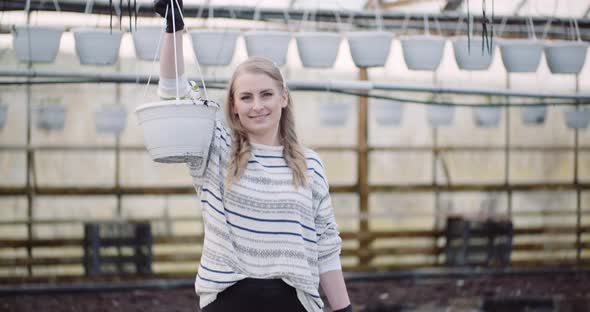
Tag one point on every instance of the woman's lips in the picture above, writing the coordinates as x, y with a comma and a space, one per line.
259, 117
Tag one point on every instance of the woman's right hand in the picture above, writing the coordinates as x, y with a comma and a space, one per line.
172, 24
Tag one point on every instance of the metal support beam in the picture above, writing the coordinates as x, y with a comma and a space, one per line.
361, 18
381, 188
301, 85
363, 169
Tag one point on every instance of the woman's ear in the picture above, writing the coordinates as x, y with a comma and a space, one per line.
285, 98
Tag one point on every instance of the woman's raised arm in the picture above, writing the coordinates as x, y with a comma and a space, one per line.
171, 56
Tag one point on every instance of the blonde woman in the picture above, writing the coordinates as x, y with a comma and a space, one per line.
270, 239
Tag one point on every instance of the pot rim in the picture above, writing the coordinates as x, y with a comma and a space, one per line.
82, 30
170, 103
422, 37
362, 33
214, 31
565, 43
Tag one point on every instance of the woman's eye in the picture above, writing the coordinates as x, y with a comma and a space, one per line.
267, 94
243, 98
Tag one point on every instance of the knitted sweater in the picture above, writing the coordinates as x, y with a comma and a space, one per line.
262, 226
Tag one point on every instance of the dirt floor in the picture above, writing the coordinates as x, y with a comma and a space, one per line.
556, 292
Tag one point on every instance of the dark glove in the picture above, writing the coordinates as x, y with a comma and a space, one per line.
160, 8
347, 309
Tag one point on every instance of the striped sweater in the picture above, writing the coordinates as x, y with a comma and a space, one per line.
262, 226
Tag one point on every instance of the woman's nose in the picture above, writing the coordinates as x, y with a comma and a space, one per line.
257, 104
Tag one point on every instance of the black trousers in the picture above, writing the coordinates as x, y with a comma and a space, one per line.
257, 295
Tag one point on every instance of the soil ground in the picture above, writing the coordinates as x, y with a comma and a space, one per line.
567, 293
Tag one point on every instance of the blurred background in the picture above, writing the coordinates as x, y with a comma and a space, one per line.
454, 133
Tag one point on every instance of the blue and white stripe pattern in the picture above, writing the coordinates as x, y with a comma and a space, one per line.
262, 226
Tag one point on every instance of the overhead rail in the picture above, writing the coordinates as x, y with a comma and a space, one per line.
295, 85
448, 20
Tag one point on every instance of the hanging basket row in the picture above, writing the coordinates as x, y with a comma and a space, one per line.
51, 115
390, 113
316, 49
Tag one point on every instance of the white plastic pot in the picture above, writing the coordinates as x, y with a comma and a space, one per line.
96, 46
423, 52
51, 116
214, 46
473, 59
534, 115
270, 44
369, 48
521, 55
3, 113
145, 41
111, 120
318, 49
577, 119
566, 57
334, 114
486, 117
440, 116
176, 133
388, 113
43, 45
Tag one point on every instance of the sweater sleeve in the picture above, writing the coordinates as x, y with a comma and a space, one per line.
329, 241
210, 167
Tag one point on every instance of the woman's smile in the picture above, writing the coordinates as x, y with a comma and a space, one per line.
260, 117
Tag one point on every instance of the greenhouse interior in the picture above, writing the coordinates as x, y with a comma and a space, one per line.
453, 135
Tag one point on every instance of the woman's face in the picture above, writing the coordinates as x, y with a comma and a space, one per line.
258, 102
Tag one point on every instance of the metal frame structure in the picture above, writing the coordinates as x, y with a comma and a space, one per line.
362, 187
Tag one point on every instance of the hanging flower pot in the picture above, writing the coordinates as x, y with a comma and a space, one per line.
469, 56
369, 48
388, 113
318, 49
111, 119
96, 46
566, 57
334, 114
521, 55
487, 117
270, 44
534, 115
440, 115
3, 113
169, 129
145, 41
577, 119
423, 52
51, 116
214, 46
35, 43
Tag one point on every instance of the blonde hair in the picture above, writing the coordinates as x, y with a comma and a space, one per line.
241, 148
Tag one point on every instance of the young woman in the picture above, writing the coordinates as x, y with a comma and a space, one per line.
270, 235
